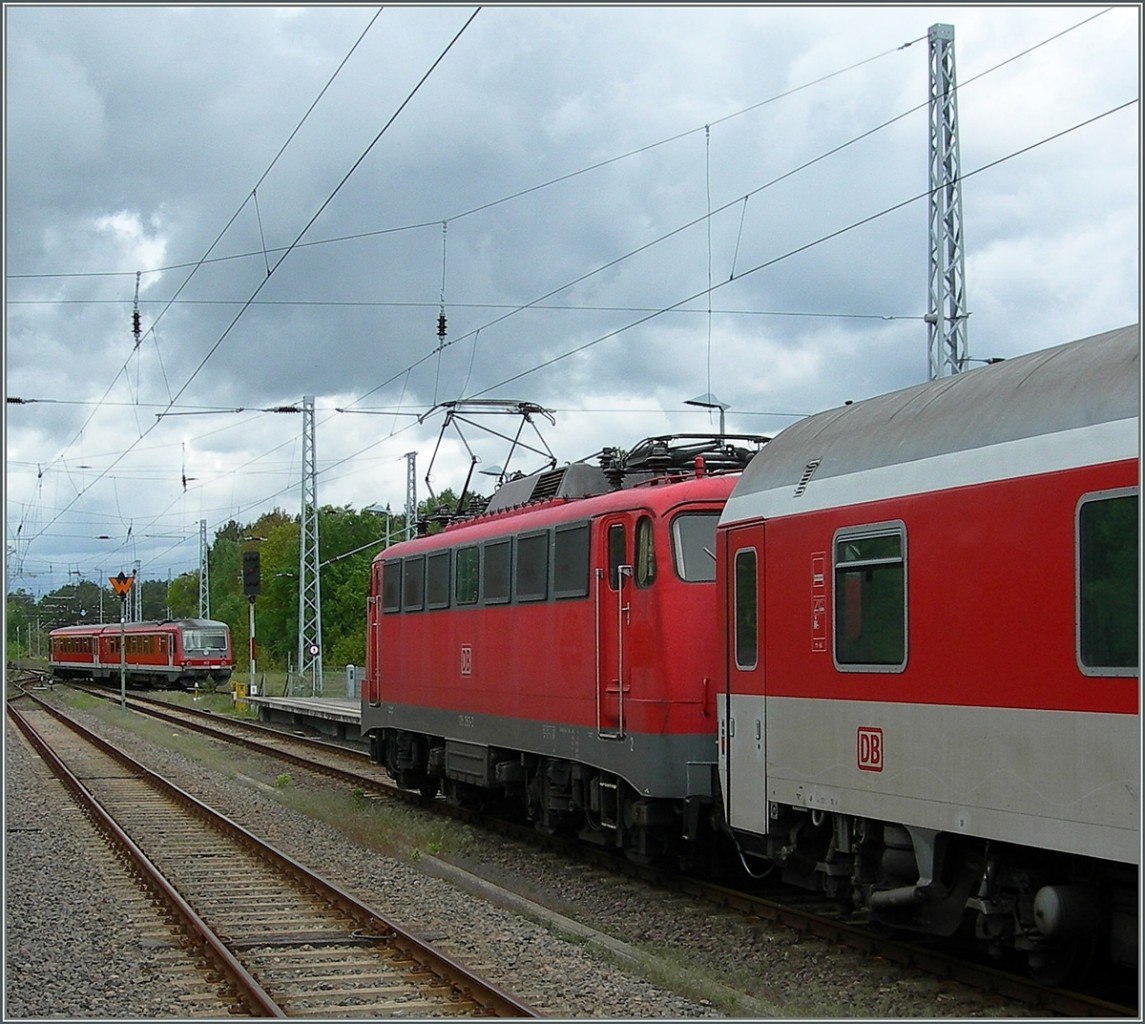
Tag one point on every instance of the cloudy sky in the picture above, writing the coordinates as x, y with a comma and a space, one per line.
617, 209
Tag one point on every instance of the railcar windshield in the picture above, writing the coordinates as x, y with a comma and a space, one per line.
694, 546
205, 641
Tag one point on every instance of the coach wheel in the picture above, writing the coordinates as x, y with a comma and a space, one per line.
1067, 961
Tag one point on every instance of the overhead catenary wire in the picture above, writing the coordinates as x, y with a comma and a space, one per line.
674, 307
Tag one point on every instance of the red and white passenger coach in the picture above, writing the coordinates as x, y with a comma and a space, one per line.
932, 626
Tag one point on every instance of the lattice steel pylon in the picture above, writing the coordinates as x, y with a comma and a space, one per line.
204, 573
137, 593
309, 590
946, 309
411, 493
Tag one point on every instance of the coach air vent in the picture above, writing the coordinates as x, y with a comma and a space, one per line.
808, 472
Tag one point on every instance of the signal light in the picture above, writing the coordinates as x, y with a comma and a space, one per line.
251, 574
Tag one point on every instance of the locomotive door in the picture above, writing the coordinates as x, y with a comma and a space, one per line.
613, 585
742, 720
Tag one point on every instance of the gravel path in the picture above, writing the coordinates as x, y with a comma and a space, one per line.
570, 941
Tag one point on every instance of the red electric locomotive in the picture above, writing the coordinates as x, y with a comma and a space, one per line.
559, 649
173, 653
932, 630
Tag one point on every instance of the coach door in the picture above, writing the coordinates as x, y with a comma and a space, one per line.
613, 590
742, 725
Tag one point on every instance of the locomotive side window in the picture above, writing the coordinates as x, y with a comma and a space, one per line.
1108, 587
645, 553
532, 568
694, 546
746, 610
413, 583
617, 553
570, 560
467, 567
496, 571
437, 580
392, 586
870, 598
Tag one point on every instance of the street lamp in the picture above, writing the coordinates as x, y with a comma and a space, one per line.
709, 401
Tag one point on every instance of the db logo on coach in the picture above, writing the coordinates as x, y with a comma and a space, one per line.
870, 748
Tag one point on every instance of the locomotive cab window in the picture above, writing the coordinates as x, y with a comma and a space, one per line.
645, 569
870, 599
1108, 586
617, 553
694, 546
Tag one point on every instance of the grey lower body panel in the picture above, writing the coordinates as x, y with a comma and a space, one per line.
671, 766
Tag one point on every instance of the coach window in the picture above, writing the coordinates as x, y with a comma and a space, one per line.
617, 553
495, 576
392, 586
1108, 553
746, 610
694, 546
437, 580
532, 567
466, 567
645, 553
870, 598
570, 560
413, 583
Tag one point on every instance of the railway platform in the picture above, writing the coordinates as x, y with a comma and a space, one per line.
336, 717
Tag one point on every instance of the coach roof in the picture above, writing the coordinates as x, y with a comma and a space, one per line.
1081, 384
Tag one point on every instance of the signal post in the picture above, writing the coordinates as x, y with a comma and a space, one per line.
121, 584
252, 584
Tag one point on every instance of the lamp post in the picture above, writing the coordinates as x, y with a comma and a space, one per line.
709, 401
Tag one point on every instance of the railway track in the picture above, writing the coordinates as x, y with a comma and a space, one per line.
283, 941
820, 920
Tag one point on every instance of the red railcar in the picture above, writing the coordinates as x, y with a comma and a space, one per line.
560, 648
173, 653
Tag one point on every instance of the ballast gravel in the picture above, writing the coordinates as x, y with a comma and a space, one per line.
568, 940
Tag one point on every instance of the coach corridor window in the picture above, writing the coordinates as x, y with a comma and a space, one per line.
870, 598
1108, 558
746, 610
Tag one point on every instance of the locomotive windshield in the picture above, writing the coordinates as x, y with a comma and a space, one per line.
694, 546
205, 641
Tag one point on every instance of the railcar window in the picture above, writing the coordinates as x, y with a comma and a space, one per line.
204, 640
532, 567
1108, 584
437, 580
413, 583
645, 570
746, 610
570, 560
498, 557
392, 586
617, 552
467, 566
870, 598
694, 546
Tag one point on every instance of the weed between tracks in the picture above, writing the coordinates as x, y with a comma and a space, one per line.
387, 826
